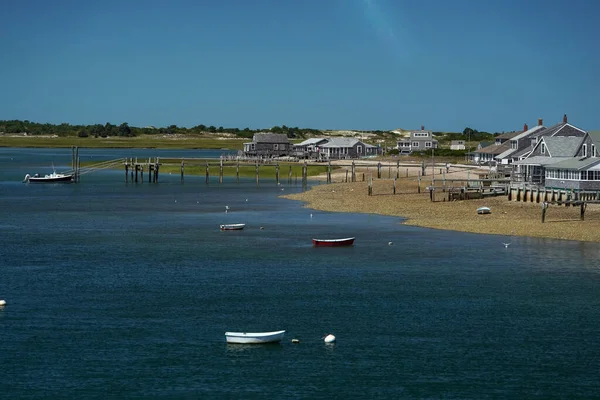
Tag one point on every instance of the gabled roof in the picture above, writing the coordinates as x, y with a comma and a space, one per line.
264, 137
528, 132
522, 153
561, 146
340, 142
595, 135
507, 135
576, 163
494, 148
561, 129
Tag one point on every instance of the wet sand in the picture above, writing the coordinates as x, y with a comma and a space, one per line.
507, 217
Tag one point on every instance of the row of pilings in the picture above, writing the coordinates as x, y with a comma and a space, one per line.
75, 163
134, 169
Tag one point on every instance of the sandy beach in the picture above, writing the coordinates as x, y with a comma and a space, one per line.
507, 217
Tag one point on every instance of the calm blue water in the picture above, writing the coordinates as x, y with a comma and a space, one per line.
125, 291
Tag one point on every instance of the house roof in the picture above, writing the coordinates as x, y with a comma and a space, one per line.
506, 153
494, 148
528, 132
264, 137
508, 135
561, 129
541, 160
562, 146
340, 142
578, 164
523, 152
310, 141
595, 135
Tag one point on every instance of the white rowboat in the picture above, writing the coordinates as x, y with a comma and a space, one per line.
254, 337
232, 227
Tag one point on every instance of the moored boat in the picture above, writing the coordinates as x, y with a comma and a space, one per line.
254, 337
232, 227
333, 242
49, 178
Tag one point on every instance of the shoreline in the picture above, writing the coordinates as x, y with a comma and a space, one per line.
508, 218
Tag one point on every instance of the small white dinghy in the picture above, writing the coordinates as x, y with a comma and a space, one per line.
232, 227
254, 337
484, 210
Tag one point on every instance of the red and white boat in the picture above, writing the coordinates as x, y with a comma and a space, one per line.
333, 242
232, 227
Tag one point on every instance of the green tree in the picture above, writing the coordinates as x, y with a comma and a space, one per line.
124, 129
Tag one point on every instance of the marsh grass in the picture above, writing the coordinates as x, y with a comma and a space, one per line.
146, 141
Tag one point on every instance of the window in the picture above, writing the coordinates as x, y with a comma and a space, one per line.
359, 149
253, 146
415, 144
420, 134
513, 144
275, 146
593, 150
427, 144
584, 150
543, 148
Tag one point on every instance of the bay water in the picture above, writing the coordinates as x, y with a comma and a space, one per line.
119, 290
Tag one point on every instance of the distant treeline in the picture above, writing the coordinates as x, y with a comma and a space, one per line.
469, 134
108, 129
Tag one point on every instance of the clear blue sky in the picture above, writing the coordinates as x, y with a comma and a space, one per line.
327, 64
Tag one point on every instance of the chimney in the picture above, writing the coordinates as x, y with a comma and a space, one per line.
565, 118
525, 128
540, 122
422, 127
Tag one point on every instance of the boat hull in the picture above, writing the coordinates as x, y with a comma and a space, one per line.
333, 242
254, 337
232, 227
61, 179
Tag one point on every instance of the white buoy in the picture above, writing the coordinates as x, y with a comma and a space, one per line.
329, 338
295, 341
390, 243
311, 215
2, 303
262, 227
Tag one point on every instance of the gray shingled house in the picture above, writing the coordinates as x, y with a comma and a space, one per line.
561, 142
418, 141
489, 153
308, 148
581, 172
343, 148
268, 145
